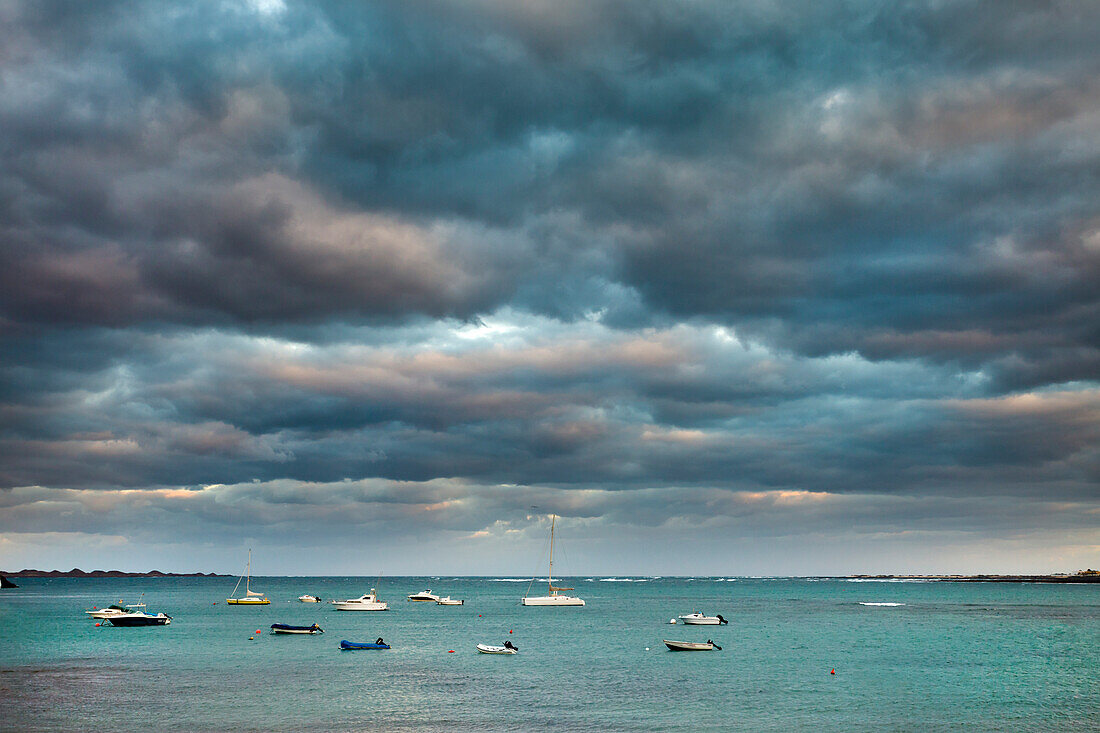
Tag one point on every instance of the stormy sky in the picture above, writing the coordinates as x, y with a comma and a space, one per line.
732, 287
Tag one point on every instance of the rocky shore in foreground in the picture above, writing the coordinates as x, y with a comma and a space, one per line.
1085, 576
78, 573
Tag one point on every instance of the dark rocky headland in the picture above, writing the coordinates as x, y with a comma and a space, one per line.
78, 573
1081, 576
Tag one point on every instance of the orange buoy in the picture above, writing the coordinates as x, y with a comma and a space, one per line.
258, 631
833, 671
509, 631
97, 623
450, 651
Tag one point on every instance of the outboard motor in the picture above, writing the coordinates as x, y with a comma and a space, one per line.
508, 645
720, 619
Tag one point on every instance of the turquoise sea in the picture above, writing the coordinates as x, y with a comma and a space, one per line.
953, 656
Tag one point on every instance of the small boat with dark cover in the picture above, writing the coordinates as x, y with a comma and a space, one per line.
288, 629
348, 646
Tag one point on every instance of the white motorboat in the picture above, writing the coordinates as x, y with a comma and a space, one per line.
250, 597
448, 601
691, 646
139, 618
114, 610
490, 649
309, 599
554, 596
365, 602
424, 595
699, 619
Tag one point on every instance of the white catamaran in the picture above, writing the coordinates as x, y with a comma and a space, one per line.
555, 598
251, 597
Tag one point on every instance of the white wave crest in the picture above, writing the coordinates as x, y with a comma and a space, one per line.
873, 603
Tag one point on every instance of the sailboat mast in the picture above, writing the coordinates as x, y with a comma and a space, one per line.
550, 572
248, 573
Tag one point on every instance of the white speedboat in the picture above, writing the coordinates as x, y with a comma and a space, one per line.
424, 595
699, 619
448, 601
489, 649
691, 646
114, 610
250, 597
554, 596
365, 602
309, 599
139, 618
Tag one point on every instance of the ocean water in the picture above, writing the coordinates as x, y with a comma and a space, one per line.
946, 656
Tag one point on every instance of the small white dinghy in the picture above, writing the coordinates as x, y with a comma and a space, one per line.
309, 599
691, 646
448, 601
489, 649
699, 619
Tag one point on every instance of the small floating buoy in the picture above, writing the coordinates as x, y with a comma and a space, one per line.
251, 638
258, 631
647, 649
672, 620
832, 671
97, 623
450, 651
509, 631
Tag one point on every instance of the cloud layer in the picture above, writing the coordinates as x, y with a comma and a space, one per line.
634, 263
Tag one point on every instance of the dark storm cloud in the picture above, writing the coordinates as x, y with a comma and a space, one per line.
671, 251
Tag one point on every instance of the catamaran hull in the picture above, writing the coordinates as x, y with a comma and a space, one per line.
553, 601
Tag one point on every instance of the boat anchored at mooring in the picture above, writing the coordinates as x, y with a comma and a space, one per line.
365, 602
699, 619
288, 629
507, 648
691, 646
250, 597
554, 596
139, 618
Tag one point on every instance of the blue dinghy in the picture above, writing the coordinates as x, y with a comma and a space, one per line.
288, 629
346, 645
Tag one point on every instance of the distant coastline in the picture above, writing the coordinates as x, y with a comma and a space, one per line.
1083, 576
78, 573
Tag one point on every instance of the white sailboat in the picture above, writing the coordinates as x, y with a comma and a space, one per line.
554, 596
250, 597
